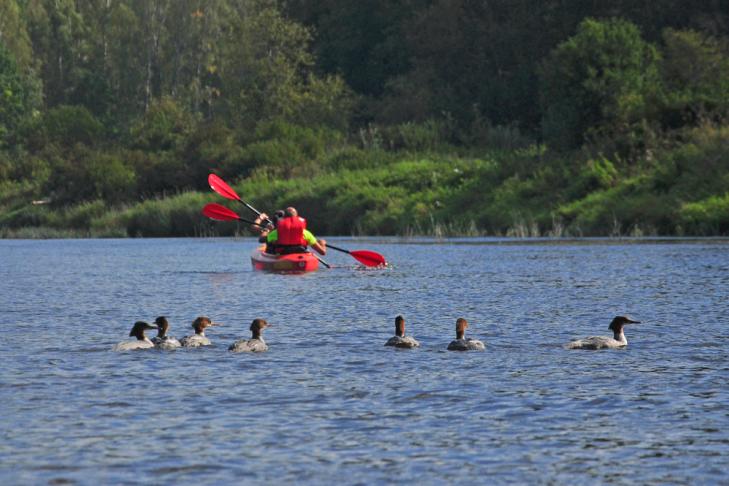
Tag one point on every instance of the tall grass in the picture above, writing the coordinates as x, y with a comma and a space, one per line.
522, 192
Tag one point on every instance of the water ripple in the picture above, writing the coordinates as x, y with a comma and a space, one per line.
329, 403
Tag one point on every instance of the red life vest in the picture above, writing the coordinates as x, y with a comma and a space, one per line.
291, 231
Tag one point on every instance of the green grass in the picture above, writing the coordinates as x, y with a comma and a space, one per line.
518, 192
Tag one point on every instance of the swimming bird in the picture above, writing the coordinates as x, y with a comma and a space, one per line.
400, 340
162, 340
199, 338
461, 343
599, 342
142, 342
254, 345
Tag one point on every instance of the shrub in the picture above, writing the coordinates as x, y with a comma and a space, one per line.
594, 85
278, 148
163, 127
695, 76
706, 217
173, 216
71, 125
425, 136
81, 215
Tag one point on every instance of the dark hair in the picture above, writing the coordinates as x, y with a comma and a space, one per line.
277, 215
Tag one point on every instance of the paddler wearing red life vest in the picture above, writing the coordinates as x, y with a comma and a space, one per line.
291, 235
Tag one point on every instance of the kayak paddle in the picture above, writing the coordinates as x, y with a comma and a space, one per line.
219, 212
365, 257
218, 185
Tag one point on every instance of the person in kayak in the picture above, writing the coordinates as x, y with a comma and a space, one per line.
291, 236
263, 225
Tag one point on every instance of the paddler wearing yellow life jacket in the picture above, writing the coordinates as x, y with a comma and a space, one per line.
291, 235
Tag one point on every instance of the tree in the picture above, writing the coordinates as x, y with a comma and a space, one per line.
18, 94
14, 33
594, 86
266, 69
695, 75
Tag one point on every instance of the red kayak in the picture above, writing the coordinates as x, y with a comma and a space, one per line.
295, 262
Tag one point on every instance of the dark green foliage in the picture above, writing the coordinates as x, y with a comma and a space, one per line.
164, 126
84, 174
695, 74
69, 125
280, 149
18, 95
371, 116
595, 84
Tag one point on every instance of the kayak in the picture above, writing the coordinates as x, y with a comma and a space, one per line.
294, 262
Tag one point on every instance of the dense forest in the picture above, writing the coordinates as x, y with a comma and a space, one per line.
440, 117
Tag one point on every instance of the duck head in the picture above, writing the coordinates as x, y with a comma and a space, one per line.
139, 328
616, 325
202, 323
162, 326
257, 327
400, 326
461, 326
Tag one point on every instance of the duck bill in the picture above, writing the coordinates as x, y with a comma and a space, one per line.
216, 324
630, 321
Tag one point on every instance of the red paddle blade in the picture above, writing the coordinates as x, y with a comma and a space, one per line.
219, 213
368, 258
218, 185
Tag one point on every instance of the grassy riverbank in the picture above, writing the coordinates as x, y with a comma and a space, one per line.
527, 191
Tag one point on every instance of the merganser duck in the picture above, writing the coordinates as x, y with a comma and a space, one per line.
254, 345
162, 340
462, 344
400, 340
599, 342
199, 338
142, 342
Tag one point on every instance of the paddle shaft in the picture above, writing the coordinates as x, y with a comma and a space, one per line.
338, 249
365, 257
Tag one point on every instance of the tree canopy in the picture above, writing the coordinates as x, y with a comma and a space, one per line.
122, 100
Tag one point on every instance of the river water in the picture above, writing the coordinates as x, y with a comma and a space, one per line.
328, 403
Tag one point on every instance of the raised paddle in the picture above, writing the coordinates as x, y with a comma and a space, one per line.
218, 185
221, 213
365, 257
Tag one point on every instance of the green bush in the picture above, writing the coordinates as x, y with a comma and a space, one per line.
71, 125
706, 217
163, 127
594, 86
279, 148
411, 136
595, 175
81, 215
695, 78
174, 216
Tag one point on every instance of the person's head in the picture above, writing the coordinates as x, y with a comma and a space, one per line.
291, 212
278, 214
